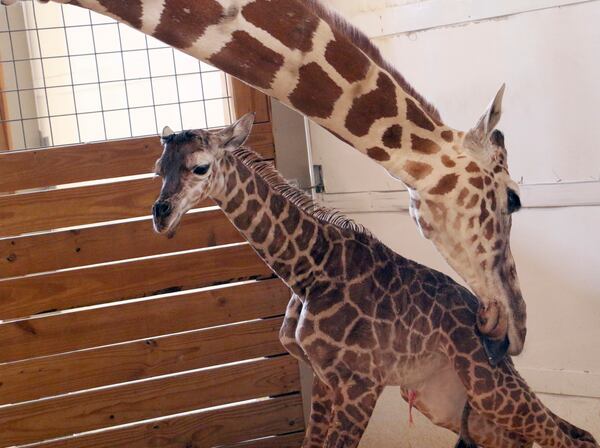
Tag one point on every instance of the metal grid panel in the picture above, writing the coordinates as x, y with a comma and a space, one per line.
68, 75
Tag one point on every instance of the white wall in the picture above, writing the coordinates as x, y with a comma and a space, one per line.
548, 56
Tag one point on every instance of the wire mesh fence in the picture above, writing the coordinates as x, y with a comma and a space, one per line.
69, 75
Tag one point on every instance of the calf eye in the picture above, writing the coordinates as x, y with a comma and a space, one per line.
514, 201
201, 170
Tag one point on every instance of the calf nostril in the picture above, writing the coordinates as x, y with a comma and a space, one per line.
161, 209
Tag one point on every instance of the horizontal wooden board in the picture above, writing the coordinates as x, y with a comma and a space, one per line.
287, 441
273, 416
26, 296
92, 245
77, 413
55, 375
141, 319
21, 170
54, 209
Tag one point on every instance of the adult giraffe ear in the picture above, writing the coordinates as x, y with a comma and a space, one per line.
489, 120
235, 135
166, 133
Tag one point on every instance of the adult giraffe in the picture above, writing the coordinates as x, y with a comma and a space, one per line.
314, 61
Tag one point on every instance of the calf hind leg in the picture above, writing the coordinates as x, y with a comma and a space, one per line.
442, 398
501, 395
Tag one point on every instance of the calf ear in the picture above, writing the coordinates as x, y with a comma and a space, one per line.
489, 120
166, 133
235, 135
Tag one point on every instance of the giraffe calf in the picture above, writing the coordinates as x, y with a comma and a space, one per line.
362, 316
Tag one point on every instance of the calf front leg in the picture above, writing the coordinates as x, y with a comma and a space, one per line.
352, 408
320, 415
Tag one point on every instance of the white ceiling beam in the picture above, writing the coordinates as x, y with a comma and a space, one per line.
429, 14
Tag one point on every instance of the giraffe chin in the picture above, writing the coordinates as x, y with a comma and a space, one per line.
168, 231
492, 322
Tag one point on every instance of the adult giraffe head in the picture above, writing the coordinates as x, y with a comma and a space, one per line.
314, 61
463, 201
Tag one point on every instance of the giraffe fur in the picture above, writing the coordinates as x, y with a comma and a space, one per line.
314, 61
362, 316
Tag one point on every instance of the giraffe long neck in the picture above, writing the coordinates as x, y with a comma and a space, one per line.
288, 238
299, 53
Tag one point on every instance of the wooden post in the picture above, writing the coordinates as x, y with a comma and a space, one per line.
5, 137
247, 99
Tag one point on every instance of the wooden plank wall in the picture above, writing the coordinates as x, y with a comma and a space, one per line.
113, 336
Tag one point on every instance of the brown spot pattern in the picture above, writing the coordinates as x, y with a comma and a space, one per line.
446, 184
379, 103
448, 136
244, 220
131, 11
477, 182
448, 162
418, 170
181, 29
277, 205
474, 201
489, 229
415, 114
484, 212
424, 145
392, 137
262, 230
316, 93
335, 326
462, 196
378, 154
473, 168
248, 59
492, 197
347, 59
277, 242
286, 20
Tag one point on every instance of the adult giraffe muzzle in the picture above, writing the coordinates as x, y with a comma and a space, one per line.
315, 62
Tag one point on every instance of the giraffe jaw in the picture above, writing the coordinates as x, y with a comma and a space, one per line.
170, 228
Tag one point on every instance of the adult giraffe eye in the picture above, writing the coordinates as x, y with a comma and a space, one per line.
201, 170
514, 201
